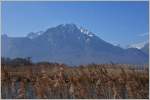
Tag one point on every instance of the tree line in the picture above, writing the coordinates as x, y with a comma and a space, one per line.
16, 61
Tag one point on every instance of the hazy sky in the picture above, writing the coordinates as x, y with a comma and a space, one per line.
116, 22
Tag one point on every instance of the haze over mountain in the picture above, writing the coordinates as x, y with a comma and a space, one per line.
69, 44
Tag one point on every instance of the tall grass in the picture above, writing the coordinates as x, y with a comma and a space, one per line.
55, 81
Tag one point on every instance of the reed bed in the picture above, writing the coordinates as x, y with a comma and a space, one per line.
57, 81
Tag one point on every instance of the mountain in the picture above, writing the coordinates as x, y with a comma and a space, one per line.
69, 44
145, 48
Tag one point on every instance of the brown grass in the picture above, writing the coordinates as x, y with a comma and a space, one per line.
106, 81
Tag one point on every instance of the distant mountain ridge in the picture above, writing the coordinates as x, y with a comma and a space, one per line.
145, 49
69, 44
143, 46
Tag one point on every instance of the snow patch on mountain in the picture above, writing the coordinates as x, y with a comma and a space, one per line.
86, 32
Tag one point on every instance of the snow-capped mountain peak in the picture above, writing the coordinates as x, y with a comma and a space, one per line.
72, 28
67, 26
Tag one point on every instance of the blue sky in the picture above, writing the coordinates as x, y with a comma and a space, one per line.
116, 22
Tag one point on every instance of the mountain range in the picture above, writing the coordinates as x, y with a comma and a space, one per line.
69, 44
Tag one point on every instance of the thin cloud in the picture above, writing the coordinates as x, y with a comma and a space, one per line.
143, 34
